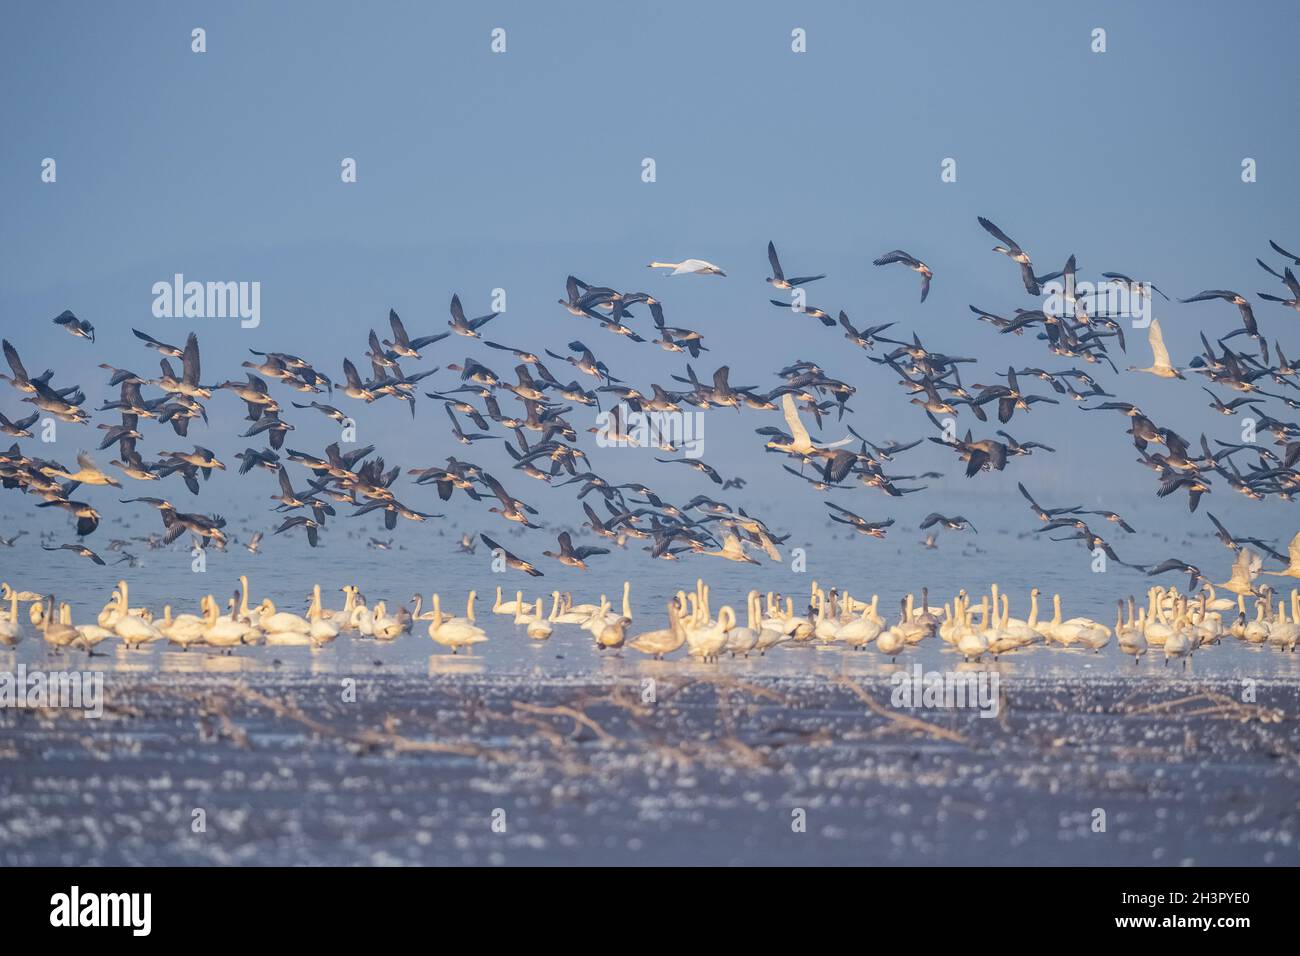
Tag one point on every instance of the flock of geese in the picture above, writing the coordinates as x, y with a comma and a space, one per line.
1170, 623
543, 443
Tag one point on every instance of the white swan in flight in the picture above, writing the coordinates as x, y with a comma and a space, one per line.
1160, 365
801, 442
1292, 569
699, 267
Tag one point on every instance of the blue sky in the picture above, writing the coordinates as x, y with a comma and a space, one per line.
479, 171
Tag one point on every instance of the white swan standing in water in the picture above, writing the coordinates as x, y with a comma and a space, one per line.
454, 633
974, 642
246, 613
388, 627
1284, 633
1065, 633
664, 641
89, 636
825, 629
282, 627
1178, 642
56, 633
182, 630
707, 642
742, 640
524, 614
862, 630
323, 629
469, 617
222, 632
1026, 631
773, 629
603, 608
539, 629
509, 607
892, 640
561, 614
134, 631
26, 597
1128, 634
11, 629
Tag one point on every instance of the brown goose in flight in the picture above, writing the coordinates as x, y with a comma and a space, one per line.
1011, 249
1240, 301
74, 325
778, 279
913, 263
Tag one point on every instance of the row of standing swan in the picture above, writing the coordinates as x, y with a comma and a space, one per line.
1173, 624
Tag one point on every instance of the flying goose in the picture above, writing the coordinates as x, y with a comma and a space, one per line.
913, 263
778, 279
405, 346
866, 338
874, 529
813, 311
20, 427
171, 351
1249, 326
1135, 287
1176, 564
511, 560
74, 325
1288, 277
309, 525
467, 327
571, 556
78, 549
1011, 249
956, 523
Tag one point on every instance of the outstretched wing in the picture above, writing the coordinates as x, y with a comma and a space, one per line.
1155, 337
998, 233
792, 419
15, 363
775, 262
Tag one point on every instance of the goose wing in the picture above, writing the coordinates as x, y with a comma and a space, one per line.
998, 234
15, 363
775, 262
190, 360
897, 255
399, 331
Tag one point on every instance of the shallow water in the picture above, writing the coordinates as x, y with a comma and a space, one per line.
424, 559
418, 770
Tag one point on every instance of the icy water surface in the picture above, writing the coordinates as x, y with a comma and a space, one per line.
465, 769
401, 753
424, 559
